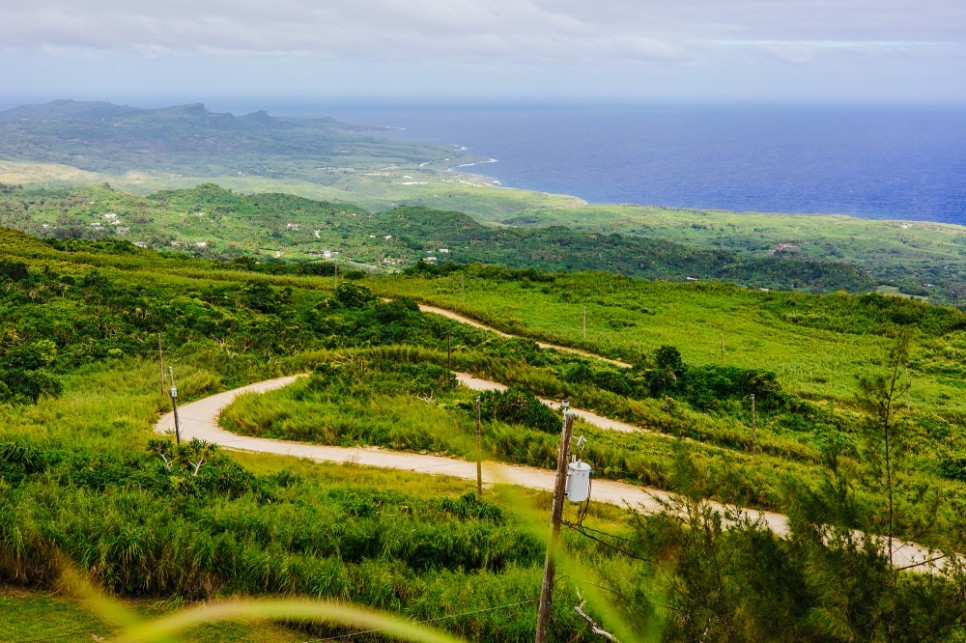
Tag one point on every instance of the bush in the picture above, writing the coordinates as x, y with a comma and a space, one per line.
517, 405
353, 296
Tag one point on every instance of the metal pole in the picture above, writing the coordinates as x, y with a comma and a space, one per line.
479, 452
549, 569
174, 407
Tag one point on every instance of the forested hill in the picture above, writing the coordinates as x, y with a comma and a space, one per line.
561, 249
191, 140
213, 222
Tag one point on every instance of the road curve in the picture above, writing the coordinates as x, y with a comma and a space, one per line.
200, 420
472, 322
478, 384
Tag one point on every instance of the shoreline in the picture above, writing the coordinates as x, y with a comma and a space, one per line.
904, 224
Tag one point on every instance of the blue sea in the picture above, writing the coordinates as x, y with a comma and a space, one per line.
873, 162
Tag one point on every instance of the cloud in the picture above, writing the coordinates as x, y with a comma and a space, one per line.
358, 28
807, 51
641, 31
570, 48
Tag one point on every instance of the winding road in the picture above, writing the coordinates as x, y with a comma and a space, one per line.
472, 322
200, 420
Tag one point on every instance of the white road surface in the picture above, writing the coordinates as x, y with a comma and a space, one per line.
200, 420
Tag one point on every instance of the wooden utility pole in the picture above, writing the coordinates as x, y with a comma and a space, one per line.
556, 514
479, 451
754, 424
585, 323
462, 288
174, 407
161, 364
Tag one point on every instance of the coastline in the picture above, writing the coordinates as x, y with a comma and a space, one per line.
758, 158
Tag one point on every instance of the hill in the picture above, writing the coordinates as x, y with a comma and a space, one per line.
915, 258
83, 475
213, 222
65, 142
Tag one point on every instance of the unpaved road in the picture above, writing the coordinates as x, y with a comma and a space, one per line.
472, 322
200, 420
477, 384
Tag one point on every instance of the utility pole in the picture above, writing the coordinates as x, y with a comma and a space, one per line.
174, 406
463, 287
556, 514
161, 364
585, 323
449, 350
336, 264
754, 424
722, 349
479, 452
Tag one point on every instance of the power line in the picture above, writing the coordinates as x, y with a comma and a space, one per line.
604, 533
581, 531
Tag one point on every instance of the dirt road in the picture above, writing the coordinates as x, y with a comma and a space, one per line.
200, 420
472, 322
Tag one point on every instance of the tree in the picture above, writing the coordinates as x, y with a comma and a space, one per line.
880, 397
666, 376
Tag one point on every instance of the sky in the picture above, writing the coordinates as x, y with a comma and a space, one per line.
247, 52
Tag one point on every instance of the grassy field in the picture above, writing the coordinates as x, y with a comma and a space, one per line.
406, 184
919, 257
818, 346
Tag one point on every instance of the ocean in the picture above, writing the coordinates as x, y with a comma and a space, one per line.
873, 162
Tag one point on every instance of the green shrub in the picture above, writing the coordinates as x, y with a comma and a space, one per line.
517, 405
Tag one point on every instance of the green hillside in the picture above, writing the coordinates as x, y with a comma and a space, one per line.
209, 221
82, 478
920, 257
